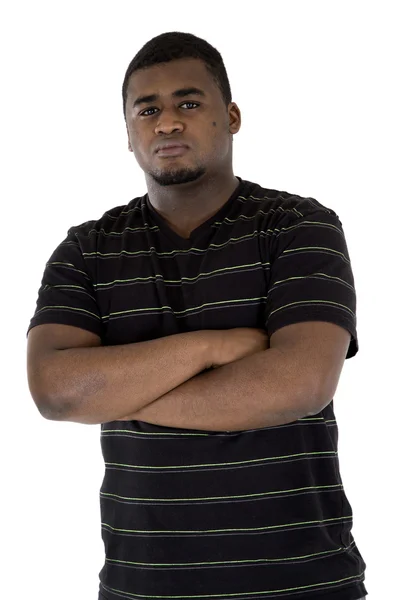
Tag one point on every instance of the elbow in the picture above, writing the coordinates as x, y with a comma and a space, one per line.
320, 400
50, 410
310, 399
47, 404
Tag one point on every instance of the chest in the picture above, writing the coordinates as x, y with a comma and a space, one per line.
150, 288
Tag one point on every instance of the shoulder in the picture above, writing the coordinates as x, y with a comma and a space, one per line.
113, 219
281, 204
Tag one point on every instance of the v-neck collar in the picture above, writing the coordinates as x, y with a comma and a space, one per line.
201, 229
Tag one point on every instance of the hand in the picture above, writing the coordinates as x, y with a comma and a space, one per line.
233, 344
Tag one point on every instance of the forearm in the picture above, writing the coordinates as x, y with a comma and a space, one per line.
100, 384
254, 392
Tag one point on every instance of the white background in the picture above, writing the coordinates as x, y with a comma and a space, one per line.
316, 83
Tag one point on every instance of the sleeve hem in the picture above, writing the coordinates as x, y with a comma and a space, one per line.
82, 323
339, 320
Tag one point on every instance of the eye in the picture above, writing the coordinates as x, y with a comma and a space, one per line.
153, 108
191, 103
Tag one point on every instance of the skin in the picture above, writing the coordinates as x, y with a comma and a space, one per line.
185, 190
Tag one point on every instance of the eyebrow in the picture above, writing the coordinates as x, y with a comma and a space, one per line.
189, 91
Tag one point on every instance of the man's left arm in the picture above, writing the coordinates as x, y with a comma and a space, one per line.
296, 377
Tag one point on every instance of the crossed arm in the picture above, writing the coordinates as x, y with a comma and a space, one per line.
296, 377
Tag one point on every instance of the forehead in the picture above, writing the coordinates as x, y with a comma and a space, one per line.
165, 78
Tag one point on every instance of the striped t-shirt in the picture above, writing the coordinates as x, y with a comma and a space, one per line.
202, 515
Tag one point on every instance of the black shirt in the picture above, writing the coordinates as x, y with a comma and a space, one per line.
192, 514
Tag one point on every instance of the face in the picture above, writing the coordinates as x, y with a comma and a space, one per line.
201, 121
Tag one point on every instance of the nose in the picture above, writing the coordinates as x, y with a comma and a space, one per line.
168, 123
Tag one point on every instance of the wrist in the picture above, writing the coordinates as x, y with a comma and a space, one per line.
206, 344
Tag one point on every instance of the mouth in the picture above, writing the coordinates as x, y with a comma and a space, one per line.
172, 151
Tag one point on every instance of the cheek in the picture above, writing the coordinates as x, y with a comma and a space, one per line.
140, 155
138, 145
217, 139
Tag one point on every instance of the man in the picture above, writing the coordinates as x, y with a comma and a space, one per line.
204, 325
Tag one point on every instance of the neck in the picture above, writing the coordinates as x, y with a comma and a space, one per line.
189, 204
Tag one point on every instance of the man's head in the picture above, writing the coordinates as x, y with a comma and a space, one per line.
204, 121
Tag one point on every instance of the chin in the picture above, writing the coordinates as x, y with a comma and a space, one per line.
177, 175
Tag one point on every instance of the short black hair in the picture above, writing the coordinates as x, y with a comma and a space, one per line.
173, 45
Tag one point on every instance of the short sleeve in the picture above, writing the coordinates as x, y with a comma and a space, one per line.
66, 295
311, 277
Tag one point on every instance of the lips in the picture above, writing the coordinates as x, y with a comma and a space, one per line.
169, 144
175, 150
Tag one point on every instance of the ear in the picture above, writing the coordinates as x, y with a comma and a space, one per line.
129, 141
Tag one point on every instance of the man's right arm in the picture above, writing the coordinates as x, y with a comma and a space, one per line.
94, 384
